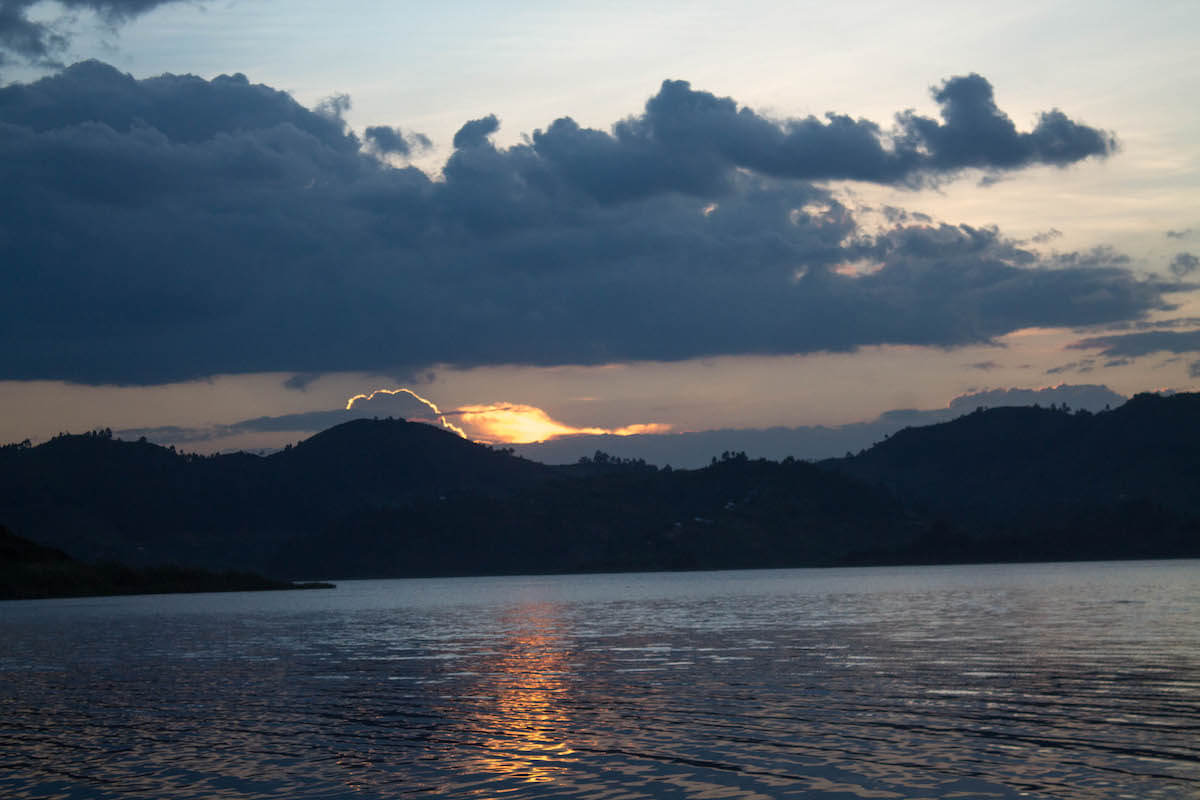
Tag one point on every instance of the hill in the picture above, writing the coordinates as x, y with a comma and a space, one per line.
29, 570
390, 498
106, 499
1046, 483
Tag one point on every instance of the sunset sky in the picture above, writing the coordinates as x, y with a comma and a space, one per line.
222, 222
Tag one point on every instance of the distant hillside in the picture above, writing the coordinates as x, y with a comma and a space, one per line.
29, 570
389, 498
1124, 482
135, 502
734, 513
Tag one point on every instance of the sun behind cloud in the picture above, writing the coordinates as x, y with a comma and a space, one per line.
490, 423
515, 423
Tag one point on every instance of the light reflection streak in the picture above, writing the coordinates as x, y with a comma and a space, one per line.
523, 720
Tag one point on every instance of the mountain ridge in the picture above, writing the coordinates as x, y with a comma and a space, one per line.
388, 497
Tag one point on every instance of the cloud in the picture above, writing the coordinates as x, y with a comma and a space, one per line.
386, 140
491, 423
176, 227
43, 42
1083, 365
1194, 369
1155, 324
1184, 264
694, 449
1183, 234
476, 132
984, 365
538, 436
516, 423
1133, 345
975, 133
692, 141
301, 381
404, 403
1086, 396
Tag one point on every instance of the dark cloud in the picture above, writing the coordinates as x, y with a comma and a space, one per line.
1084, 366
1153, 324
476, 132
975, 133
692, 141
44, 42
984, 365
1086, 396
1133, 345
1046, 236
301, 381
386, 140
399, 405
812, 442
1194, 369
1184, 264
692, 449
335, 106
898, 216
174, 227
1183, 234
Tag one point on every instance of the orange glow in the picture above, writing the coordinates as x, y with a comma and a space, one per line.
859, 268
527, 718
514, 423
507, 423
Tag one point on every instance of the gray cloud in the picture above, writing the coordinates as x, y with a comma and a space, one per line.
692, 449
476, 132
691, 141
301, 381
1179, 234
1153, 324
1083, 366
1184, 264
174, 227
43, 42
304, 423
386, 140
1133, 345
1194, 369
811, 442
1085, 396
975, 133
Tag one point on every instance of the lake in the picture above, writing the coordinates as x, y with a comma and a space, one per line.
996, 681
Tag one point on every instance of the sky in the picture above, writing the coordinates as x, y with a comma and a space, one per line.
656, 227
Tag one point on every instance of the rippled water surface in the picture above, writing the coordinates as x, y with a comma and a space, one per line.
1052, 680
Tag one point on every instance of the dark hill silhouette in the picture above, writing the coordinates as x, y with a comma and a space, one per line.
139, 503
29, 570
389, 462
389, 497
614, 516
1124, 482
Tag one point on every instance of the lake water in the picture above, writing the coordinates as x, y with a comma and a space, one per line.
1043, 681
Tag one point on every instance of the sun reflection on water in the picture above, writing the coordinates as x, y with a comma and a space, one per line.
524, 714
